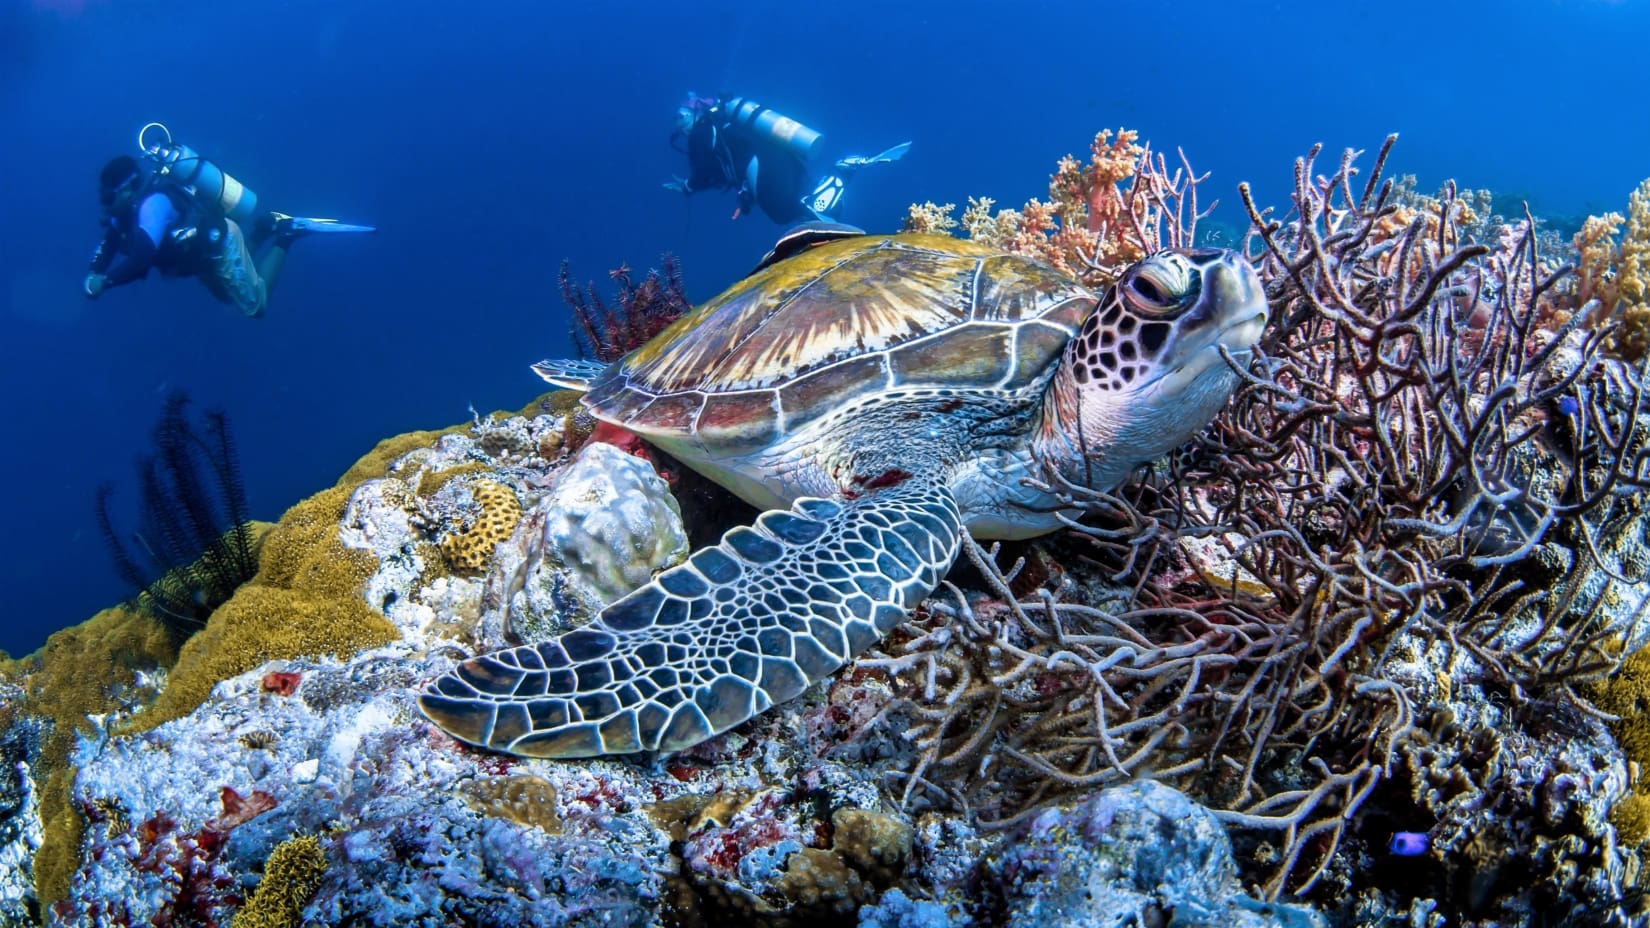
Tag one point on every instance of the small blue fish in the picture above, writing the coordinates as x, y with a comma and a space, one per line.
1408, 843
1568, 406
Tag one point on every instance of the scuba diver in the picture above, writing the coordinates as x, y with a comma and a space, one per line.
183, 216
737, 144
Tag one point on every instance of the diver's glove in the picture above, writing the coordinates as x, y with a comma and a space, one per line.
678, 185
94, 285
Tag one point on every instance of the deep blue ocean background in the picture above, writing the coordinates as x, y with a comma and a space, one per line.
493, 141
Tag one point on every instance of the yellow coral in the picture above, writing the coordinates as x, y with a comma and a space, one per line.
291, 876
1631, 816
1633, 278
525, 800
1595, 248
376, 463
1617, 276
1626, 695
930, 217
304, 602
1633, 275
70, 680
472, 548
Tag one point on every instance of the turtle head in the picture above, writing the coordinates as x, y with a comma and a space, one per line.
1146, 371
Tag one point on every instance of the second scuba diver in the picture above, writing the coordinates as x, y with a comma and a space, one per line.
737, 144
184, 217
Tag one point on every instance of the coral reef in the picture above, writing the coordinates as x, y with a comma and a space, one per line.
1140, 854
196, 533
305, 601
469, 546
81, 682
1612, 279
1397, 590
1423, 501
608, 523
1626, 696
19, 807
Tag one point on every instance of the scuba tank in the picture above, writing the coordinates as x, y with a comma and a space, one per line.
205, 182
758, 121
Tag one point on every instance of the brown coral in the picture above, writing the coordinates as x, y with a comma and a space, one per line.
874, 844
1626, 695
472, 547
820, 883
526, 800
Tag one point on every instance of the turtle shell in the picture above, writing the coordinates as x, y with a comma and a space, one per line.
842, 322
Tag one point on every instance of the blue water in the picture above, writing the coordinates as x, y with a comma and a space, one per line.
489, 144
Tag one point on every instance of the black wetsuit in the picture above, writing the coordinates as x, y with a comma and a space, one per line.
724, 157
141, 237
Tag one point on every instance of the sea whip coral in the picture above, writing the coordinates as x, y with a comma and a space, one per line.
1379, 479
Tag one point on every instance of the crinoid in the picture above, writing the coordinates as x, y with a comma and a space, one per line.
608, 331
194, 542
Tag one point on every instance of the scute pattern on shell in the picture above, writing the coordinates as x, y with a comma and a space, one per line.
794, 341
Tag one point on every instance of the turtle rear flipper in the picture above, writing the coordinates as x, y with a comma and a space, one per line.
574, 375
741, 626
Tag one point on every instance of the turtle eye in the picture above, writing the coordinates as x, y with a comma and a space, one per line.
1157, 287
1152, 296
1150, 292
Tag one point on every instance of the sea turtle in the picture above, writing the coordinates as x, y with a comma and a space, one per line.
878, 395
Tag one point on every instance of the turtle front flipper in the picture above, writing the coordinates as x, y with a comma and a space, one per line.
573, 375
737, 628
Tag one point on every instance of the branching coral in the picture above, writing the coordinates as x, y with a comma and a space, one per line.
1100, 217
291, 876
1412, 459
1612, 279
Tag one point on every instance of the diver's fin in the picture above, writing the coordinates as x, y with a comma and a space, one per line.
310, 224
296, 225
574, 375
859, 161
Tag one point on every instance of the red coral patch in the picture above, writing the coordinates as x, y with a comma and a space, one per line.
282, 683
